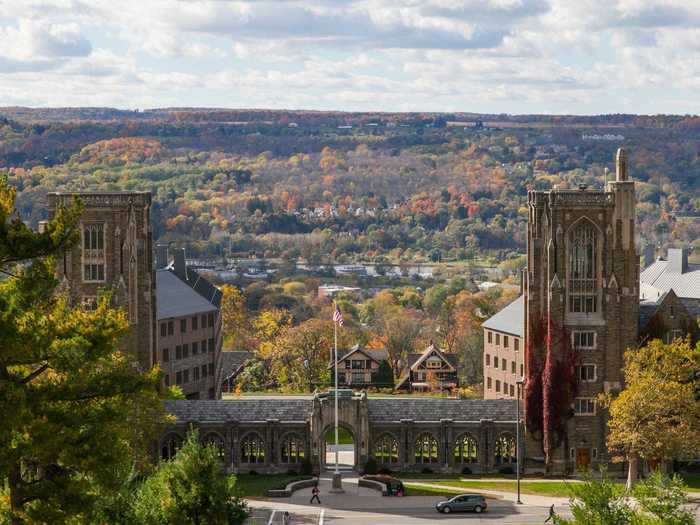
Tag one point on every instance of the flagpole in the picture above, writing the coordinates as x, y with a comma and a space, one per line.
335, 340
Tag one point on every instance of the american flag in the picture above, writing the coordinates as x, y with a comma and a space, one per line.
337, 316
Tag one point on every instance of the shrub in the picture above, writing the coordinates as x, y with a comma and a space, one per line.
426, 470
385, 471
371, 466
253, 472
506, 470
292, 472
466, 471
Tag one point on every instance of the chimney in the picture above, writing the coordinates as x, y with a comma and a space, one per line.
621, 165
677, 260
161, 256
179, 265
648, 255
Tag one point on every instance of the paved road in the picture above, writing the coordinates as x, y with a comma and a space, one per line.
415, 510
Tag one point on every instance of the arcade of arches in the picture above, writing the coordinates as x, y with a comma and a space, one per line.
277, 435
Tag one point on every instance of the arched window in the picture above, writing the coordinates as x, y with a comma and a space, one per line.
426, 449
505, 450
171, 445
386, 449
466, 449
252, 449
215, 440
583, 268
292, 449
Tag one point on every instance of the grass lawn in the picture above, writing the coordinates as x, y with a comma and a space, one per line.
344, 436
540, 488
692, 480
251, 485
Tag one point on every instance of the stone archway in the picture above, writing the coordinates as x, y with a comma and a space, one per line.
348, 449
352, 416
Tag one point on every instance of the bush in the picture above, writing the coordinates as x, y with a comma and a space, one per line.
306, 467
292, 472
426, 470
507, 470
385, 471
371, 466
466, 471
191, 488
253, 472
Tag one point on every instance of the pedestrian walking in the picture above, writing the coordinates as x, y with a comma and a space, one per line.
314, 494
552, 515
285, 518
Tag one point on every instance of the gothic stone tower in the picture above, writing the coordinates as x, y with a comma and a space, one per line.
114, 253
582, 282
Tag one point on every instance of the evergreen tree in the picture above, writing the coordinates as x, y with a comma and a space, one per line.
74, 410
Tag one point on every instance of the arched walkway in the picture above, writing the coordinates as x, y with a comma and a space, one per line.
346, 449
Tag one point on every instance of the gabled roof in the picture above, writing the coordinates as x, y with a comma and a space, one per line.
510, 320
658, 277
648, 309
413, 360
233, 362
177, 298
378, 354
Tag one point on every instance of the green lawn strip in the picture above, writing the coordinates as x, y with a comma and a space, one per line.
344, 437
692, 480
557, 489
251, 485
416, 489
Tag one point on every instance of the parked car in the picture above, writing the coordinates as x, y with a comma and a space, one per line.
463, 502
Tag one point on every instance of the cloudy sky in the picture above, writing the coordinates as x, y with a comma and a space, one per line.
511, 56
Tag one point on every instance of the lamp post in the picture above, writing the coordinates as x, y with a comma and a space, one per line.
520, 382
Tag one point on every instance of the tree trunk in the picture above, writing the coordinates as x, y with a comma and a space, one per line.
15, 480
632, 470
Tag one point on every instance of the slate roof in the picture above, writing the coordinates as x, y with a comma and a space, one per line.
686, 284
222, 411
176, 298
434, 409
231, 362
380, 409
378, 354
510, 319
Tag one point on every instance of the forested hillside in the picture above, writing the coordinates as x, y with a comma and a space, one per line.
346, 187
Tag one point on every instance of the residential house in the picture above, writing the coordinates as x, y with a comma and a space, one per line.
360, 368
432, 369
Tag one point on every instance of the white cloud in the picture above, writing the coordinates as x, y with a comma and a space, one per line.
471, 55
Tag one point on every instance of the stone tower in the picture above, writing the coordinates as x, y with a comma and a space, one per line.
582, 301
114, 253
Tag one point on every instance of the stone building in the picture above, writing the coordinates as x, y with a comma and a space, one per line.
276, 435
503, 351
114, 253
189, 336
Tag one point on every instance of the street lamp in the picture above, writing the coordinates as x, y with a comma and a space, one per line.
520, 382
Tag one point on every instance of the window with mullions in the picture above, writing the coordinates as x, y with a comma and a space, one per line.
292, 449
93, 252
426, 449
386, 450
466, 449
583, 269
252, 449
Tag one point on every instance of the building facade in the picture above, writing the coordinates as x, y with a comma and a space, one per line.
114, 254
277, 435
359, 368
582, 303
189, 336
431, 369
503, 351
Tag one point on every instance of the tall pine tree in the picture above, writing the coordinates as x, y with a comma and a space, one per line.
75, 413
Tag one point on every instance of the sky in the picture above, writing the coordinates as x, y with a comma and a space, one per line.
486, 56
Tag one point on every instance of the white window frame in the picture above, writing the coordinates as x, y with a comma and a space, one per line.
573, 339
577, 413
595, 373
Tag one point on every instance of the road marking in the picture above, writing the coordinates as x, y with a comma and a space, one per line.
321, 516
272, 517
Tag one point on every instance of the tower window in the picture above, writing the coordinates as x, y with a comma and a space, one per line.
93, 253
583, 269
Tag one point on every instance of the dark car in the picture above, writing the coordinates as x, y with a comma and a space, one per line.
463, 502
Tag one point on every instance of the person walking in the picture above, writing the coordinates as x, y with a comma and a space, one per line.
552, 515
314, 494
